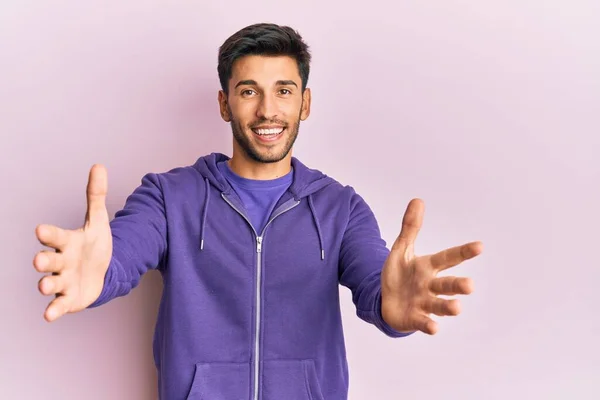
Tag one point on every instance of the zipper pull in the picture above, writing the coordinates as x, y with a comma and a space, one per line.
258, 244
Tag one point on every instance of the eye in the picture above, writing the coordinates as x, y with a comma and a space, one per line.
285, 91
247, 92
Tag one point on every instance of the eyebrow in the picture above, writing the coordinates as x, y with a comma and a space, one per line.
288, 82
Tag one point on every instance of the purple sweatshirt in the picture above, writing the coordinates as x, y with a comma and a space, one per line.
248, 315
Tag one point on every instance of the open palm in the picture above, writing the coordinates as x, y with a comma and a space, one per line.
409, 284
80, 258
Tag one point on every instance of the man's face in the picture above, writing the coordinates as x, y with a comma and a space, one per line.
265, 106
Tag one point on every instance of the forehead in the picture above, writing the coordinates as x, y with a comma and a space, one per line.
265, 69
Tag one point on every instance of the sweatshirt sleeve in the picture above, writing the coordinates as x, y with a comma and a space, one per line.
362, 255
139, 233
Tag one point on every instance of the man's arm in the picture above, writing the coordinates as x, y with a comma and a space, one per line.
101, 260
139, 233
362, 256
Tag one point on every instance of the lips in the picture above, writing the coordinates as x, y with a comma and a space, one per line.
268, 133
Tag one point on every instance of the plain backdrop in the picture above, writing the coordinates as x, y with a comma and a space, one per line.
488, 111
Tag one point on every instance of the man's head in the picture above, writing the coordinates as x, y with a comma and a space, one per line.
263, 70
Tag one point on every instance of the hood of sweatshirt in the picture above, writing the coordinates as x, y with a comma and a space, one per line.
305, 183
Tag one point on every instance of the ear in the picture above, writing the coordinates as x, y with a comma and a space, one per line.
223, 106
306, 97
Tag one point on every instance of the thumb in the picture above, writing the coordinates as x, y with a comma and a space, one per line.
411, 225
97, 188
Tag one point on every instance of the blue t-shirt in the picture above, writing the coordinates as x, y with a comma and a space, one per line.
258, 196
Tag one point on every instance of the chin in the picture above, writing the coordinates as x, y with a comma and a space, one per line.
267, 159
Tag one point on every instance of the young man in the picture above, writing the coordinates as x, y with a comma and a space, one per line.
251, 249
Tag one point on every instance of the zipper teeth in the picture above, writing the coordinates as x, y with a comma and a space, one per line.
278, 214
259, 240
259, 297
258, 315
257, 320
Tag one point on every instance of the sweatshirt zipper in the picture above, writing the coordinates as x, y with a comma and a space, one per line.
259, 249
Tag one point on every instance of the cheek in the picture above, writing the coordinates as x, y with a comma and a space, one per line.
290, 110
242, 115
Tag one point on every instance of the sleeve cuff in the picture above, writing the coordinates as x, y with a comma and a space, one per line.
109, 286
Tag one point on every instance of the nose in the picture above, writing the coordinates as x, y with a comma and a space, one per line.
267, 109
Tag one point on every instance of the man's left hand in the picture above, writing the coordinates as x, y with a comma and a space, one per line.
409, 284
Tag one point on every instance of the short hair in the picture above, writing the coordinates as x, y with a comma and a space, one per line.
263, 39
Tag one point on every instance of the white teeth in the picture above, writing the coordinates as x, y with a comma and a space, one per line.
274, 131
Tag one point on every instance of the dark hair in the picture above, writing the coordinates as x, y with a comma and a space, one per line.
263, 39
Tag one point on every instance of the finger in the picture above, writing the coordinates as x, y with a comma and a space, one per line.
411, 224
97, 188
51, 284
455, 255
441, 307
57, 308
48, 261
425, 324
52, 236
451, 285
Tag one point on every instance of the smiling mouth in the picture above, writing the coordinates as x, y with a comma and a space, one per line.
268, 131
269, 134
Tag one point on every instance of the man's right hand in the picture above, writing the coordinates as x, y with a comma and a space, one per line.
81, 257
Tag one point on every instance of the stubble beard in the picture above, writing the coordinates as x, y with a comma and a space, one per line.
241, 138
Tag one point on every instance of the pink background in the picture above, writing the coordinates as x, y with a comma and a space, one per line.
489, 111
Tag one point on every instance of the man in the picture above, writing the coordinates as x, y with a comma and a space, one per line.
251, 249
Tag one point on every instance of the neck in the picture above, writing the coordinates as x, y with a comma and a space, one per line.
250, 169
